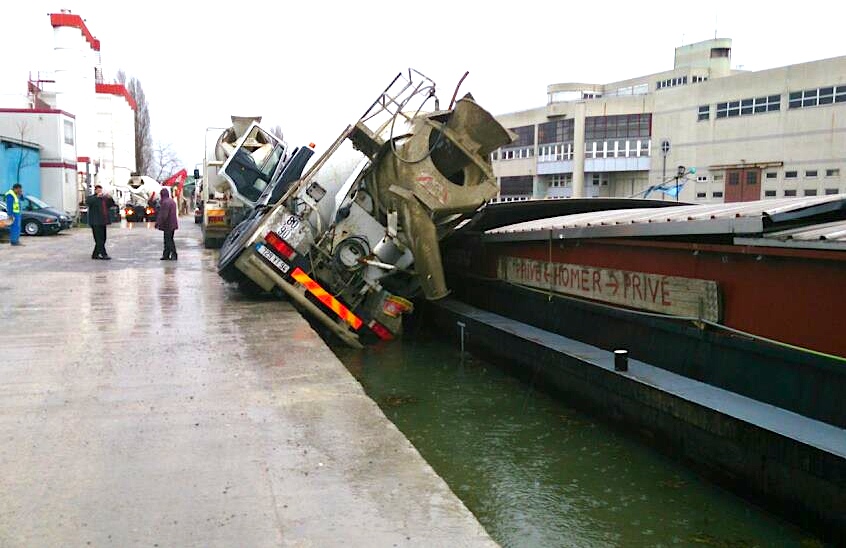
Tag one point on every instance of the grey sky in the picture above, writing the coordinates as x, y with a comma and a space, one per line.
313, 67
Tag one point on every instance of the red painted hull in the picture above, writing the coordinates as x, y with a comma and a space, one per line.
795, 296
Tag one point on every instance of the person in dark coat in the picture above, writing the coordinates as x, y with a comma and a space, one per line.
166, 221
99, 205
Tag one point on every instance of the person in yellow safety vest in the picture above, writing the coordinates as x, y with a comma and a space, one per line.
13, 208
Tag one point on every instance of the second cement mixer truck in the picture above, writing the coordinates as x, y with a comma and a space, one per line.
221, 204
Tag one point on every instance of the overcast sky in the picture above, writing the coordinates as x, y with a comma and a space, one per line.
313, 67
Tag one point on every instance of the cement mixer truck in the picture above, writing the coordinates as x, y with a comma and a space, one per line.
353, 251
138, 192
221, 204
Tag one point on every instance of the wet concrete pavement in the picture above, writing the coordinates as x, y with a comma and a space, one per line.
146, 403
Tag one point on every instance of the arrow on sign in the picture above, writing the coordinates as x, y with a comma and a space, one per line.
616, 285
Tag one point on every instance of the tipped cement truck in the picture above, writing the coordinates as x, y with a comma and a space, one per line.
353, 250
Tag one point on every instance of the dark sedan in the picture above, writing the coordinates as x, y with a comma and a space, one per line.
37, 217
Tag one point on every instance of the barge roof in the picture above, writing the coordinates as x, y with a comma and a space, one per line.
817, 222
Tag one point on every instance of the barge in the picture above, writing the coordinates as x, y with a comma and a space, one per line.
729, 311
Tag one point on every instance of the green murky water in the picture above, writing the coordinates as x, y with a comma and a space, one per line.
536, 472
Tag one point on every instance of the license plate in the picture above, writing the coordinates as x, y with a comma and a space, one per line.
291, 231
273, 258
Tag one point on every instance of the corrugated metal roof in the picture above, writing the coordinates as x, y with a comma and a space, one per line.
831, 236
741, 218
829, 232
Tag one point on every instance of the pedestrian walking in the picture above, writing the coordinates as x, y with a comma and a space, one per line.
13, 208
167, 222
99, 205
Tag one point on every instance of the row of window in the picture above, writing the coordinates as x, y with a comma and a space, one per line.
597, 128
809, 173
771, 103
742, 107
515, 186
679, 81
789, 174
819, 96
788, 193
628, 126
671, 82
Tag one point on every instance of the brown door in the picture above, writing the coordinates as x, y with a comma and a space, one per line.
743, 185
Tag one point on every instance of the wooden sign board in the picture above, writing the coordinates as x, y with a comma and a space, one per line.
672, 295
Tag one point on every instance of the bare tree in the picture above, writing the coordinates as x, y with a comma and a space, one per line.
24, 159
143, 131
164, 162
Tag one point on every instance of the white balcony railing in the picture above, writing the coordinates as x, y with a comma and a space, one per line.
558, 152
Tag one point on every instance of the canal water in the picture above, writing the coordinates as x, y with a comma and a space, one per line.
537, 472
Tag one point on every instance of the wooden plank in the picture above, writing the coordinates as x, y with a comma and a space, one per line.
672, 295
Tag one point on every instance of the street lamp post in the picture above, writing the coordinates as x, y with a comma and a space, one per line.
680, 171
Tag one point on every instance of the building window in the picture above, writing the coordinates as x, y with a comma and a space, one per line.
595, 179
810, 173
814, 97
702, 179
525, 136
625, 126
752, 105
769, 193
830, 191
717, 194
701, 194
734, 178
556, 131
68, 132
516, 186
790, 174
788, 193
832, 172
704, 113
810, 192
772, 175
559, 180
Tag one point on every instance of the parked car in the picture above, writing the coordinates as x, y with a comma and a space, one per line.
4, 226
38, 217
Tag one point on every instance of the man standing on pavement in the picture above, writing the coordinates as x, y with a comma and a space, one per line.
13, 208
99, 205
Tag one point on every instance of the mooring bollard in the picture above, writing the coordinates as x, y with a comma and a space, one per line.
621, 360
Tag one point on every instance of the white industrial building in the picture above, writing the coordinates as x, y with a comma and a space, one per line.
82, 124
52, 133
739, 135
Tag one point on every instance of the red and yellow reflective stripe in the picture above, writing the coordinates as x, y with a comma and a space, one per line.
337, 307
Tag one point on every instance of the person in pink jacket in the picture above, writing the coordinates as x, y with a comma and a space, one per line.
167, 221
